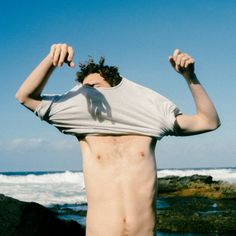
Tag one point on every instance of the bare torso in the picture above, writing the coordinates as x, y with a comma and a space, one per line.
120, 181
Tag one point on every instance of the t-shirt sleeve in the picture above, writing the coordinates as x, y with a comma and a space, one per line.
170, 112
46, 106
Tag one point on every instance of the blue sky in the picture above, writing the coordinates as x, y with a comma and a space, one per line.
137, 36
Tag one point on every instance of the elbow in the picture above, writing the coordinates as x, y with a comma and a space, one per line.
215, 124
210, 123
218, 124
20, 98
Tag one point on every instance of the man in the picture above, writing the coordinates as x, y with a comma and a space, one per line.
117, 123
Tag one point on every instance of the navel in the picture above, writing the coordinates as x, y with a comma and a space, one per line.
142, 154
98, 157
124, 220
114, 139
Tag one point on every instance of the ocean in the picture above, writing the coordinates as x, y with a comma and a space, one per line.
65, 190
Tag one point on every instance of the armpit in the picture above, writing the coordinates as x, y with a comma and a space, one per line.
177, 131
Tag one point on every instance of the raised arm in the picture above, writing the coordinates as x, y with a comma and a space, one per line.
206, 118
29, 93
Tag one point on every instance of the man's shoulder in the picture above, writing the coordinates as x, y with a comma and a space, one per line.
139, 86
144, 89
148, 92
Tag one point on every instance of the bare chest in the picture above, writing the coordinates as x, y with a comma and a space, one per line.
105, 148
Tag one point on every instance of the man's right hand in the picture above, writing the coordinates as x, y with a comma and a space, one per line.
61, 53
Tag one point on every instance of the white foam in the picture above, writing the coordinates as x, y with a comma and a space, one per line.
68, 187
46, 189
225, 174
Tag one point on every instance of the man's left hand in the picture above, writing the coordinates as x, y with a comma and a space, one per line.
182, 63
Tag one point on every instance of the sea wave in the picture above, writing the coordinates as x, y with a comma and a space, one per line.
68, 187
46, 189
64, 177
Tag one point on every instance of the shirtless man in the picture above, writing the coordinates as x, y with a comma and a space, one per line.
118, 165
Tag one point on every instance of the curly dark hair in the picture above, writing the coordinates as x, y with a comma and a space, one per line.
109, 73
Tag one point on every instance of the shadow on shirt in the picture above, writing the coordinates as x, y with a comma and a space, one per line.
97, 105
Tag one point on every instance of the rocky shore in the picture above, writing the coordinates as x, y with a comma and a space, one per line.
194, 204
18, 218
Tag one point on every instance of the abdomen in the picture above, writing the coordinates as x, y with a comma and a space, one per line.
120, 180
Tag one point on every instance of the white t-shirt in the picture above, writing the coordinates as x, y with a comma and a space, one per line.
127, 108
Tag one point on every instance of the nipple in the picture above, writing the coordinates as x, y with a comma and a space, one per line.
142, 154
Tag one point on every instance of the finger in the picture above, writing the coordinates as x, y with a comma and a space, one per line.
52, 50
181, 57
71, 64
56, 55
176, 53
183, 60
189, 62
62, 54
70, 57
171, 60
178, 59
70, 54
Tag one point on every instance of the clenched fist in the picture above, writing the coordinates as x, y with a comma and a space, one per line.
182, 63
61, 53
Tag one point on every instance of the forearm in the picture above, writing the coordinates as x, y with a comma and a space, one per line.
205, 108
36, 81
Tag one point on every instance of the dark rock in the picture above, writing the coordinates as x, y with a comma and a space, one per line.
176, 183
66, 210
196, 204
18, 218
195, 185
198, 215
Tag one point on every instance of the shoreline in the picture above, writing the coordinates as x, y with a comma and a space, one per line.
191, 205
10, 172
